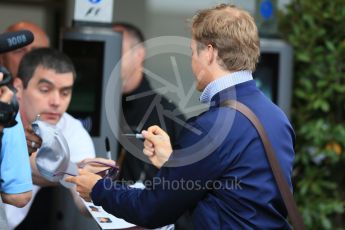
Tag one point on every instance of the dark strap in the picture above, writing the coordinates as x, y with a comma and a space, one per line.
283, 187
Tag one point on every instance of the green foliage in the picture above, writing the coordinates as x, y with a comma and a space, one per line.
316, 30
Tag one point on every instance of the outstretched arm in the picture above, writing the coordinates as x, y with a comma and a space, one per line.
85, 182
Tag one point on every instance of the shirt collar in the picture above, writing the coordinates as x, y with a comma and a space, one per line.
224, 82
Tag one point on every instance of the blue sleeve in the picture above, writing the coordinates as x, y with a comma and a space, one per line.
15, 171
173, 191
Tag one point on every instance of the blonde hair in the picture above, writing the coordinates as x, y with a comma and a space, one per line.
232, 31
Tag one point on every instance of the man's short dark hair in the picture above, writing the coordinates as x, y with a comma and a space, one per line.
133, 31
46, 58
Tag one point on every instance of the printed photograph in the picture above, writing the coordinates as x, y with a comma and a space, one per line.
104, 220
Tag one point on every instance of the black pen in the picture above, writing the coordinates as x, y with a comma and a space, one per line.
107, 148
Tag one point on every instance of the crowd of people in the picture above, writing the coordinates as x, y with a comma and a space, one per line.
225, 50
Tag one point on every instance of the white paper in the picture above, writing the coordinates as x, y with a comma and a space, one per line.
104, 219
108, 221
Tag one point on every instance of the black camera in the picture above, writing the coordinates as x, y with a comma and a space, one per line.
8, 112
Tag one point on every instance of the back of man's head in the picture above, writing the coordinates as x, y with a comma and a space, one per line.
133, 31
232, 31
40, 37
133, 55
46, 58
12, 59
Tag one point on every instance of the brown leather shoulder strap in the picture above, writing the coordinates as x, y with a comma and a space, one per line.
283, 187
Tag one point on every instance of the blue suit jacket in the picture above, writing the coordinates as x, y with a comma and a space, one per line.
225, 177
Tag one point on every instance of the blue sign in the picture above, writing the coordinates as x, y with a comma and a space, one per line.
266, 9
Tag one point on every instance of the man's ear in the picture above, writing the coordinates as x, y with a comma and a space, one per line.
211, 53
18, 85
140, 54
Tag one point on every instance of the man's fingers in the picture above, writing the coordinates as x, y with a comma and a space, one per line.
32, 148
148, 152
31, 135
157, 130
150, 149
148, 135
6, 94
157, 133
33, 142
97, 159
71, 179
148, 144
83, 171
29, 129
152, 137
86, 197
154, 129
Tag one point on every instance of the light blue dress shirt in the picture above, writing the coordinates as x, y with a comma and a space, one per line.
224, 82
15, 171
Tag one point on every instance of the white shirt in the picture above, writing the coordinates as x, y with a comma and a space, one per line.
80, 145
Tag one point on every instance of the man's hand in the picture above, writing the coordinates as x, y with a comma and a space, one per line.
5, 96
5, 93
157, 145
91, 165
33, 141
85, 182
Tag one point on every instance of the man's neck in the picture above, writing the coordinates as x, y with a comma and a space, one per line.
24, 118
219, 73
136, 79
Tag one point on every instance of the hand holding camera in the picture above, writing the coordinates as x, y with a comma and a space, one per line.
8, 103
5, 93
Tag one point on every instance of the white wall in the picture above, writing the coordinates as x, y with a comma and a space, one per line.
10, 14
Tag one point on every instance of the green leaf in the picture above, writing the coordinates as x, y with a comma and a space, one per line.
304, 57
315, 30
326, 223
330, 46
